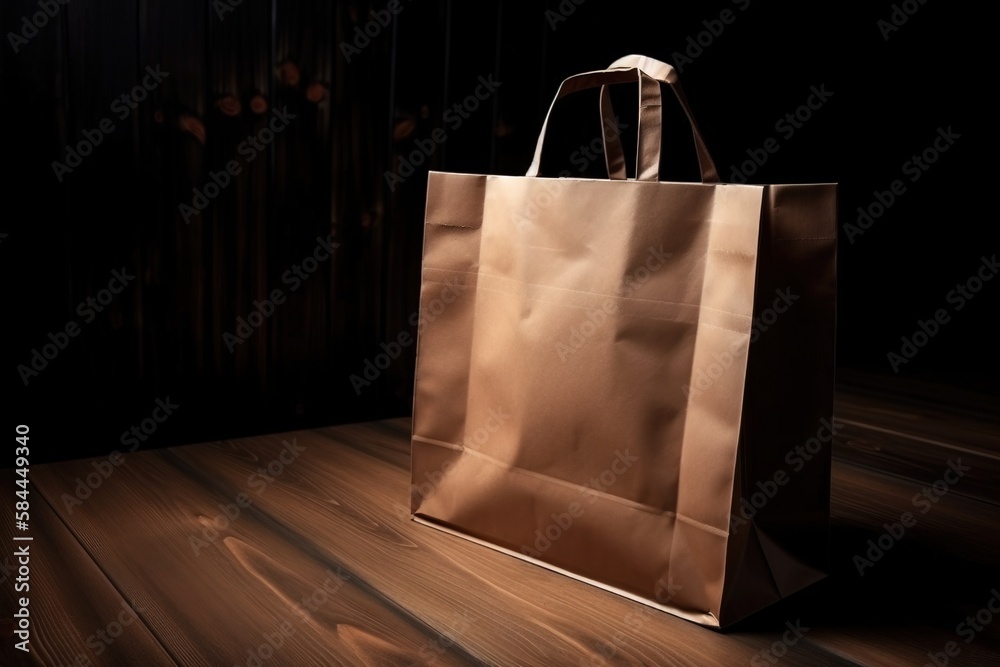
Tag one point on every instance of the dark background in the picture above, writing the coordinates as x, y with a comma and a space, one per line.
324, 174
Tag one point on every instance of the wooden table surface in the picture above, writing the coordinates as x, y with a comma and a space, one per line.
317, 563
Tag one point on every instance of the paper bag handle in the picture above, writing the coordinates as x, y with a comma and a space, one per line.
613, 154
648, 149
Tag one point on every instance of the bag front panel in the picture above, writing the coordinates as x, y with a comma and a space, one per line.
583, 446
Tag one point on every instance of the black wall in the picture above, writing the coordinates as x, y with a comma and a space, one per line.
356, 112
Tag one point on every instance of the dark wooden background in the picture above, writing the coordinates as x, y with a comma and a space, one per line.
324, 174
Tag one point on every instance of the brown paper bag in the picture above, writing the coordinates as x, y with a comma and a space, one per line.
630, 381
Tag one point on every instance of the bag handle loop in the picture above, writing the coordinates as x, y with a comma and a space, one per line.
661, 72
648, 149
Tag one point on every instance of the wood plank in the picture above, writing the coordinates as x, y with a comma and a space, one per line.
955, 522
863, 500
346, 507
350, 506
916, 441
902, 646
932, 410
909, 603
77, 616
906, 456
223, 600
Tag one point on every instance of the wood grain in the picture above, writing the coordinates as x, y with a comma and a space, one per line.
328, 502
219, 602
71, 599
353, 506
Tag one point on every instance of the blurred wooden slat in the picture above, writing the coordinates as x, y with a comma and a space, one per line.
964, 525
889, 451
214, 606
909, 602
915, 437
901, 646
873, 447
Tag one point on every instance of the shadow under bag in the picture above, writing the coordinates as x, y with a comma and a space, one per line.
630, 381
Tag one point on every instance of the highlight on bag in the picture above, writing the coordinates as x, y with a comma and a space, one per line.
630, 381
